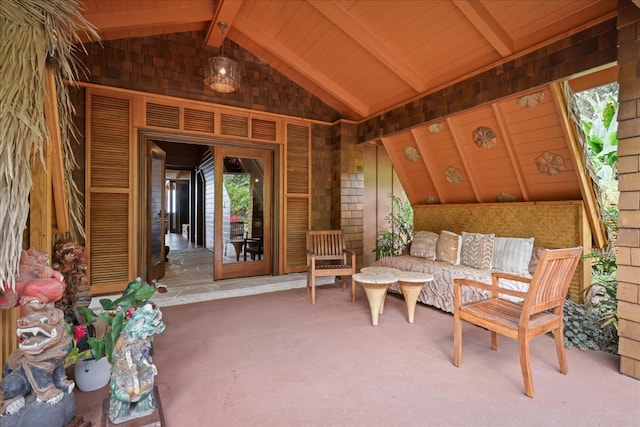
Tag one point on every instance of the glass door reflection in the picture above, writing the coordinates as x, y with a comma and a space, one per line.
243, 209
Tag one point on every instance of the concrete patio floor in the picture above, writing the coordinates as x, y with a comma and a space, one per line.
273, 359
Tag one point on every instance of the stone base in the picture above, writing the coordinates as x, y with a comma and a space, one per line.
156, 419
38, 414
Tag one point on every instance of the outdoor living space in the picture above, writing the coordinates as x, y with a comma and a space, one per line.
272, 359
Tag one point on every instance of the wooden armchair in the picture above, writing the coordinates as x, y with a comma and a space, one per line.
540, 312
327, 256
236, 237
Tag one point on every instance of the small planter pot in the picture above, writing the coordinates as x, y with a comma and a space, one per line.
91, 374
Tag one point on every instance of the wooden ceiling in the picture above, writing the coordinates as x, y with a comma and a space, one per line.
362, 57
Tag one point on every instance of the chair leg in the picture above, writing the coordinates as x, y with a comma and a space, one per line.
353, 289
494, 340
313, 288
525, 365
457, 338
308, 282
558, 336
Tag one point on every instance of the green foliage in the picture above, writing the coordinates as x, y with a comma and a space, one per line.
393, 241
114, 315
238, 187
594, 324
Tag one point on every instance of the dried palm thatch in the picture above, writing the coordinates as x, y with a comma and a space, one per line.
35, 34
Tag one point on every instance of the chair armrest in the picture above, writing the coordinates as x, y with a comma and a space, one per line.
458, 283
510, 276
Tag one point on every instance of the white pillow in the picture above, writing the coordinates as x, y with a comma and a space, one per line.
512, 255
448, 247
423, 245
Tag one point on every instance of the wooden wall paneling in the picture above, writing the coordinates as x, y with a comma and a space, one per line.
8, 336
206, 167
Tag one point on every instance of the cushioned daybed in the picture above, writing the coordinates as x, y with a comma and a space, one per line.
467, 255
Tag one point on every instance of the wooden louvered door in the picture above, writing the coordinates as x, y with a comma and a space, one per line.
110, 187
243, 200
156, 159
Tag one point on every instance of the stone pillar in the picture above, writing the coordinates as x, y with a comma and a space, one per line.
628, 243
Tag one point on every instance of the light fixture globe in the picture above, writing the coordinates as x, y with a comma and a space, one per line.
221, 73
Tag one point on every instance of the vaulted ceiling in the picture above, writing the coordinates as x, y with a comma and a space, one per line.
365, 57
362, 57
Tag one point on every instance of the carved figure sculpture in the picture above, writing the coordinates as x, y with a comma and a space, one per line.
37, 366
133, 371
71, 260
35, 279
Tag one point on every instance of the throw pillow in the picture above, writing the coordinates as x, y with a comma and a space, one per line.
535, 258
477, 250
448, 247
512, 254
423, 245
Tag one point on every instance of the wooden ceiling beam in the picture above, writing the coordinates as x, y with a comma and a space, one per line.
225, 11
420, 135
294, 61
467, 170
376, 47
513, 157
136, 19
484, 22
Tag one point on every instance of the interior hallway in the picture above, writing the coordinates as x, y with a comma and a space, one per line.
189, 276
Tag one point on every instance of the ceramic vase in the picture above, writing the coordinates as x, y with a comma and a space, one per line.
91, 374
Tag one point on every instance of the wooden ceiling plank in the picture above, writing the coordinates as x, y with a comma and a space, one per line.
467, 171
297, 63
508, 142
225, 11
577, 157
418, 142
376, 47
484, 22
124, 20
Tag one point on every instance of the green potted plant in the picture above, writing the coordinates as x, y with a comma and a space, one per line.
393, 240
95, 334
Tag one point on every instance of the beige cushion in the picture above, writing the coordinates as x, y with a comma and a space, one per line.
512, 254
477, 250
423, 245
448, 247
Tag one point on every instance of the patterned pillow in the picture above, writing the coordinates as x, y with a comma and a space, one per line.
448, 247
512, 255
477, 250
423, 245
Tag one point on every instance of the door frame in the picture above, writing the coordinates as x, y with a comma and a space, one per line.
274, 150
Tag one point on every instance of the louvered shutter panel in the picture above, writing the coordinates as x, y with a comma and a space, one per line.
297, 199
164, 116
109, 191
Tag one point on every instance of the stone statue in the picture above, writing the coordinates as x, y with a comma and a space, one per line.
133, 371
34, 389
34, 383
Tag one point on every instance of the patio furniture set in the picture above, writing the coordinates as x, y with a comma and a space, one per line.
502, 284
